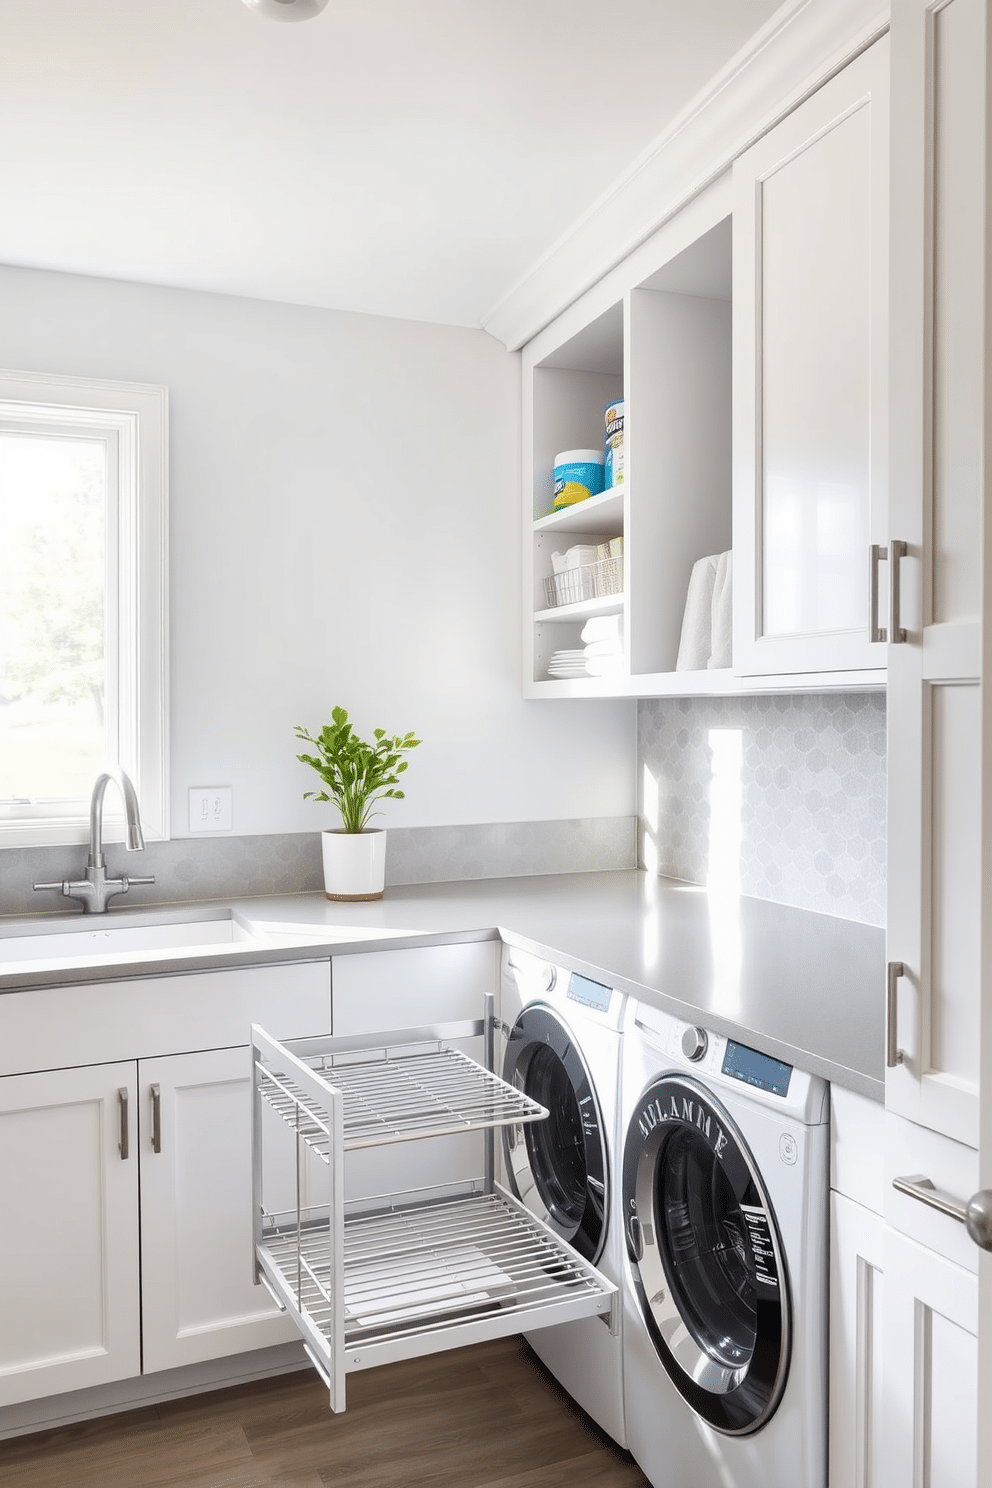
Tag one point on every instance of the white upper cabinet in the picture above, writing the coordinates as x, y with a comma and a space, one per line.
810, 343
940, 388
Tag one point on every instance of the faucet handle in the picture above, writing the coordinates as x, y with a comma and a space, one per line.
129, 883
62, 885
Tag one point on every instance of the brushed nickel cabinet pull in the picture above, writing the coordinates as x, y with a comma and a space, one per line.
876, 555
976, 1215
893, 1054
897, 550
122, 1111
156, 1118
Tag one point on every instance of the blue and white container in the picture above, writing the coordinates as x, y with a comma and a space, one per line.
578, 475
613, 464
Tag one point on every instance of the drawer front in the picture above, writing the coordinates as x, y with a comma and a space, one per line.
55, 1027
375, 991
950, 1166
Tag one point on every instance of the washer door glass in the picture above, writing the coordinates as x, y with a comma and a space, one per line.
557, 1167
706, 1256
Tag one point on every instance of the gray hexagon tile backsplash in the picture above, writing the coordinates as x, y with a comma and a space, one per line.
783, 797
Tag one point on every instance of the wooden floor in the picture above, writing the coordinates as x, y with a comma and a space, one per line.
484, 1417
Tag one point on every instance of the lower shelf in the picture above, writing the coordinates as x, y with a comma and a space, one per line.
418, 1279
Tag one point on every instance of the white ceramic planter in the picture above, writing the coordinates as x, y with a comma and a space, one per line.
354, 863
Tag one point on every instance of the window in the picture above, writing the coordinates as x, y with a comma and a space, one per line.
82, 602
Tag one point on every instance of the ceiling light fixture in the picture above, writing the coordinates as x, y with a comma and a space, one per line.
286, 10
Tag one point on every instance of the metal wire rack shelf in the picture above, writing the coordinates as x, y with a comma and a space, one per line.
416, 1273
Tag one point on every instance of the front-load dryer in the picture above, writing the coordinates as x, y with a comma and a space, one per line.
725, 1195
562, 1047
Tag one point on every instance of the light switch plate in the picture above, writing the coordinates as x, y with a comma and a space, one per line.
210, 808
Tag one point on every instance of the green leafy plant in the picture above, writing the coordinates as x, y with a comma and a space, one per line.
356, 773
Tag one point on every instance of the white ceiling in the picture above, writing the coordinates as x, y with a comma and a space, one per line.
400, 157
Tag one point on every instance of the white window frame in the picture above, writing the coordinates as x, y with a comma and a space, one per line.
137, 413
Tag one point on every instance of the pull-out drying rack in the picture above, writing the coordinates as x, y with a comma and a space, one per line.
372, 1281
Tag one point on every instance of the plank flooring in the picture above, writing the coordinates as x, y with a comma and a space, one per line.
484, 1417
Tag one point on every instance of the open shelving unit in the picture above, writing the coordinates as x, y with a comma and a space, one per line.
656, 332
391, 1277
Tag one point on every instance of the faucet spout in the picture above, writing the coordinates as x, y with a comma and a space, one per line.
95, 890
135, 837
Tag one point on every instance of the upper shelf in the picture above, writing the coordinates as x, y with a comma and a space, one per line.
396, 1094
602, 513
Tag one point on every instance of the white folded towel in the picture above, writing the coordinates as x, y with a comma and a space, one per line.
611, 647
695, 644
603, 628
604, 666
721, 646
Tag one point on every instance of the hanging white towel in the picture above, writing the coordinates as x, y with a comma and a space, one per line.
696, 641
603, 628
721, 649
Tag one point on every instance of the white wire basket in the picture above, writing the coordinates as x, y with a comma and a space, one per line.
590, 581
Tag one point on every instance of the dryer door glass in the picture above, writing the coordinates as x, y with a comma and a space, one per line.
706, 1256
557, 1167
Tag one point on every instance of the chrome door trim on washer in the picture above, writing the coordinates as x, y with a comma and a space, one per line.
706, 1256
558, 1168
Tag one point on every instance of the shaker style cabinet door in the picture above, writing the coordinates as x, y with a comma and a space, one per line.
938, 734
810, 346
69, 1313
856, 1345
199, 1300
930, 1415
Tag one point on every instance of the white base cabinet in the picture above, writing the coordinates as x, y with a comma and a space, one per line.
69, 1308
127, 1185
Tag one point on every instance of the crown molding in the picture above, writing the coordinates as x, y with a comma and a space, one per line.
798, 49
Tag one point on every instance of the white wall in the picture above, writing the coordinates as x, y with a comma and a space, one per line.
344, 529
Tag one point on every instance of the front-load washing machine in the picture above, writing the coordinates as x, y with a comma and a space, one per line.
725, 1202
562, 1047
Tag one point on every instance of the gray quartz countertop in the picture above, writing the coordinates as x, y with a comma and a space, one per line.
803, 987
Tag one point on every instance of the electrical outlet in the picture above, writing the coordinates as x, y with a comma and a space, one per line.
210, 808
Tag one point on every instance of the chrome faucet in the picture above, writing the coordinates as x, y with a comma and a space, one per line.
96, 889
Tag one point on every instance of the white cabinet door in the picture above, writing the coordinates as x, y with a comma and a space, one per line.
69, 1279
856, 1347
810, 345
198, 1296
930, 1416
939, 386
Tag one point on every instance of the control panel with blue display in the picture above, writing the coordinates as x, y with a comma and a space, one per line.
589, 993
742, 1063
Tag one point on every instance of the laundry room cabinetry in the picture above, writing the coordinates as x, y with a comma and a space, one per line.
810, 405
656, 332
128, 1178
748, 340
939, 1048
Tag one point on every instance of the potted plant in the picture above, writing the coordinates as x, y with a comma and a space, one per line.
356, 774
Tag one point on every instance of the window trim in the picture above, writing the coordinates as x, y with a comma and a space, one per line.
138, 412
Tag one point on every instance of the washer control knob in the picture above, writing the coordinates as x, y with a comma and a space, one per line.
694, 1043
547, 976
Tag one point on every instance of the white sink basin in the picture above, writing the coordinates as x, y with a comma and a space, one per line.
86, 942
